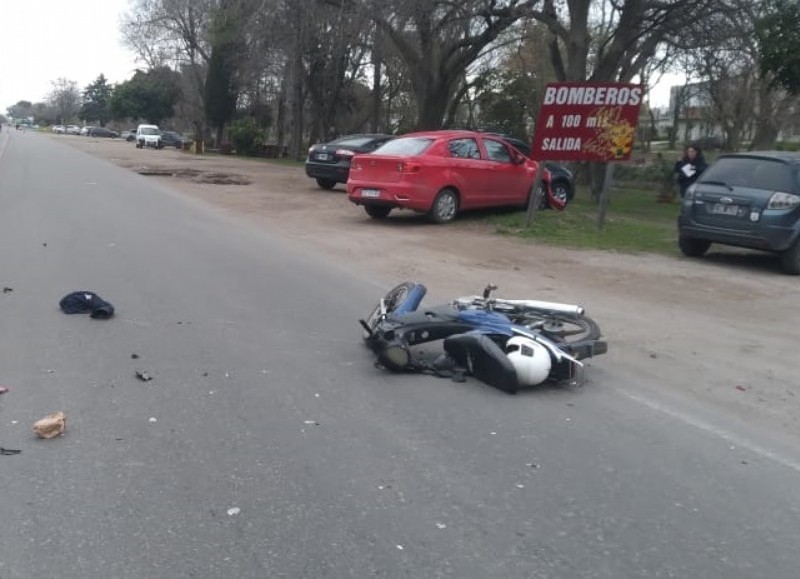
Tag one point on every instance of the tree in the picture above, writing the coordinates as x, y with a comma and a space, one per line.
65, 99
227, 54
779, 44
97, 101
20, 110
149, 95
439, 40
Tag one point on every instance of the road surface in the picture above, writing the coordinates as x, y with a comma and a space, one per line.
267, 445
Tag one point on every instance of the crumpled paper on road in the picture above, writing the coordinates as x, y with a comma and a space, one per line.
51, 425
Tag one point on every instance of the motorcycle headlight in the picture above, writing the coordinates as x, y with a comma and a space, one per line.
395, 356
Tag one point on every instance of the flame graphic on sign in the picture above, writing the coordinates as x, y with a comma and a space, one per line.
614, 138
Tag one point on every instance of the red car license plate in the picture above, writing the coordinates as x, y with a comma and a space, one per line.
370, 193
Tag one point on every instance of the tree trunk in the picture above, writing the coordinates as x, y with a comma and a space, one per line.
375, 109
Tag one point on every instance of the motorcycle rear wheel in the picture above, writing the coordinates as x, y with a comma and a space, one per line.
391, 300
560, 327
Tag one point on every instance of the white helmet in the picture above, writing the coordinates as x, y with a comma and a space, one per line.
530, 359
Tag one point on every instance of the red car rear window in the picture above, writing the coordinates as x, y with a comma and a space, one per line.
405, 146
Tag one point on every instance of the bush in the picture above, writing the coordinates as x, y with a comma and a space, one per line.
787, 146
246, 136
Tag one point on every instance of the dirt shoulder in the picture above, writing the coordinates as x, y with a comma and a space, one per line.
720, 332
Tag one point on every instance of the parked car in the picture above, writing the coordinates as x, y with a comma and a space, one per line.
73, 130
102, 132
128, 134
58, 129
441, 173
560, 179
329, 163
85, 131
148, 136
748, 200
173, 139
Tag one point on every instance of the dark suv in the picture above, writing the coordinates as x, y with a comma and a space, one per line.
748, 200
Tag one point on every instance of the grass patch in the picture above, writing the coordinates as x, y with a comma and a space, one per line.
635, 223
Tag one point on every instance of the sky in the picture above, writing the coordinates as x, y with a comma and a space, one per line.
44, 40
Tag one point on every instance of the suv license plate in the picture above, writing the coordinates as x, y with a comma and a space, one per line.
721, 209
370, 193
323, 156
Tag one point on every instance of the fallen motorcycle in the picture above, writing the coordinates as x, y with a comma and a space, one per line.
505, 343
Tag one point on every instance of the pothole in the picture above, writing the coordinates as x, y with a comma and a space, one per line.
221, 179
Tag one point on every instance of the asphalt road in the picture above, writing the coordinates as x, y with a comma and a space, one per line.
267, 445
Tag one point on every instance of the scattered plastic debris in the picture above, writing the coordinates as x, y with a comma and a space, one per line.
153, 419
441, 526
316, 395
51, 425
233, 511
520, 486
7, 289
314, 422
134, 356
143, 376
400, 547
3, 389
741, 388
8, 451
533, 465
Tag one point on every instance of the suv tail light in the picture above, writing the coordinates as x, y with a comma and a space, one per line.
345, 153
783, 201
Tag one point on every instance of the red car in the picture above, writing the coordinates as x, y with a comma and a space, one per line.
441, 173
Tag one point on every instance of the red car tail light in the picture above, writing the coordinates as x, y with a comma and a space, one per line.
408, 167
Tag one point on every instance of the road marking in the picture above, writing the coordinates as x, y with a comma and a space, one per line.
715, 430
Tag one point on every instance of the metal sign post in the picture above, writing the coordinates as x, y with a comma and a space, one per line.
535, 195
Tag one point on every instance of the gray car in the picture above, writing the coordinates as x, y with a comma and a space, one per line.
748, 200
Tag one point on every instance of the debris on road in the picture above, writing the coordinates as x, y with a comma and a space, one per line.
86, 302
741, 388
143, 376
134, 356
314, 422
8, 451
153, 419
234, 511
7, 289
51, 425
3, 389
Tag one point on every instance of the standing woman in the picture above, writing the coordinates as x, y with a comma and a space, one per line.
690, 167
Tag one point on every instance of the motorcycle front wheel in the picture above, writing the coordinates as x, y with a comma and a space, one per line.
395, 296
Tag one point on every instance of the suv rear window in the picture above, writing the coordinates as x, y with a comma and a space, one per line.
753, 173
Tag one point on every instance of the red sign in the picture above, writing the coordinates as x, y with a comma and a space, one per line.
587, 122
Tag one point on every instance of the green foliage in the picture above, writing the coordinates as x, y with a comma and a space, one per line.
220, 95
97, 102
779, 44
787, 146
247, 136
149, 95
506, 102
636, 222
